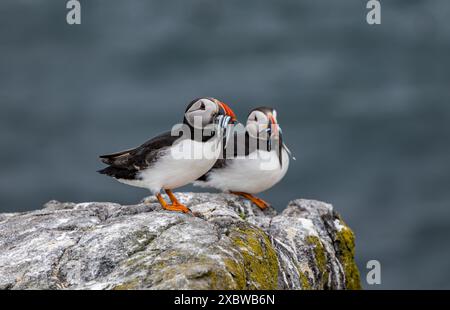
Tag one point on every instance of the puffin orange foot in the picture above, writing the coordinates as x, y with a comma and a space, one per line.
175, 206
257, 201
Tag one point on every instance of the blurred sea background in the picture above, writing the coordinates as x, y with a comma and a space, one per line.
365, 109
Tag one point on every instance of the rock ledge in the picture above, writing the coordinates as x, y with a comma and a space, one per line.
231, 244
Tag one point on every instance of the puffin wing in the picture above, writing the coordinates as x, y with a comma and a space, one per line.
134, 160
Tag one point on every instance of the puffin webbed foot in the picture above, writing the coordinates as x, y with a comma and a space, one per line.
175, 206
257, 201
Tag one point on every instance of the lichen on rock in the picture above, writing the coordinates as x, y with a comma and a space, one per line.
345, 243
259, 266
230, 244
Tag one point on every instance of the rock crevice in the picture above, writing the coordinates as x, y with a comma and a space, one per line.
230, 244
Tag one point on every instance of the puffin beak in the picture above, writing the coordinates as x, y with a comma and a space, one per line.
228, 111
274, 129
229, 118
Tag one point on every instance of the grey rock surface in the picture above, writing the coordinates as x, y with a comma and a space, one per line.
229, 244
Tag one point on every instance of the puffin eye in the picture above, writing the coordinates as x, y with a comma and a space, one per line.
202, 106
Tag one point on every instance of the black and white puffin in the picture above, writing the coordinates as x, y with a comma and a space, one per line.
259, 159
177, 157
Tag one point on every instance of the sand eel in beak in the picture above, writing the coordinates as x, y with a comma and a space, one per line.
257, 162
178, 157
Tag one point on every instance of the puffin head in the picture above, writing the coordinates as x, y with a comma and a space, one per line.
262, 123
202, 112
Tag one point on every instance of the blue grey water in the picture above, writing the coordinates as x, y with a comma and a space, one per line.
365, 109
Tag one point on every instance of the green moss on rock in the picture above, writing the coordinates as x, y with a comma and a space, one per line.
345, 241
321, 259
259, 266
304, 281
319, 252
131, 285
237, 271
201, 271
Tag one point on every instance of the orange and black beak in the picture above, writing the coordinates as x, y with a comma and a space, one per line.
274, 128
225, 118
275, 132
227, 111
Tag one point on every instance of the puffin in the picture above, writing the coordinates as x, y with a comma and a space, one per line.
256, 161
177, 157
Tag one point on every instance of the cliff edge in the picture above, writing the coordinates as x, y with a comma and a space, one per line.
229, 244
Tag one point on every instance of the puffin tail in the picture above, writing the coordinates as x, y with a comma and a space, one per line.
116, 159
119, 173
